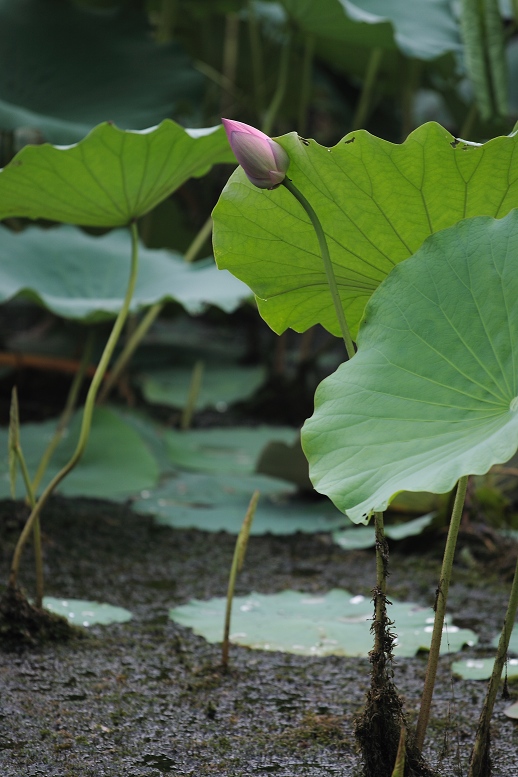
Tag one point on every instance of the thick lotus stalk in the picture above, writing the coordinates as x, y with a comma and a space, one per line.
264, 161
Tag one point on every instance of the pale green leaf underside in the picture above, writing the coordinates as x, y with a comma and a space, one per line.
83, 277
431, 393
424, 29
377, 202
335, 623
110, 177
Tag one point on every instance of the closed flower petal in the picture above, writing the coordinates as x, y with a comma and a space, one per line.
264, 161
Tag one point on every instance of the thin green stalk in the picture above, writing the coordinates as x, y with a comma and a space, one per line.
237, 565
199, 240
36, 529
192, 398
365, 102
16, 458
331, 278
87, 411
480, 759
440, 611
230, 54
469, 121
151, 315
66, 414
280, 90
305, 85
129, 349
256, 56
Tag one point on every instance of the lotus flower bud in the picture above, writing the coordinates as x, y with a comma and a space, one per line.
264, 161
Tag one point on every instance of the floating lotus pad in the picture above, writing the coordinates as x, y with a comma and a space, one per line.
481, 668
377, 203
223, 450
116, 462
90, 274
431, 394
336, 623
219, 502
358, 537
220, 386
82, 612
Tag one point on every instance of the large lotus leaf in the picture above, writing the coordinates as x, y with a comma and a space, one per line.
63, 70
431, 394
424, 29
233, 450
116, 462
377, 203
110, 177
82, 277
219, 503
336, 623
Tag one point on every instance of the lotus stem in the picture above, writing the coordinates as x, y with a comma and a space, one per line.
237, 565
328, 265
87, 411
440, 611
480, 763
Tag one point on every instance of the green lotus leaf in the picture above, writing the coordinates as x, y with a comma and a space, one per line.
85, 613
431, 394
422, 30
82, 277
377, 202
220, 386
332, 624
228, 450
116, 463
482, 668
64, 69
110, 177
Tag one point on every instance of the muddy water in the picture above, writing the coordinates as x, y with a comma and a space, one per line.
148, 698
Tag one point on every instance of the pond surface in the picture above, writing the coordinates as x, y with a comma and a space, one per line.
147, 697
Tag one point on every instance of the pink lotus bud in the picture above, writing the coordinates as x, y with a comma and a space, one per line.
264, 161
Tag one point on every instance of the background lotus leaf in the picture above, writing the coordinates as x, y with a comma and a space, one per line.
82, 277
110, 177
